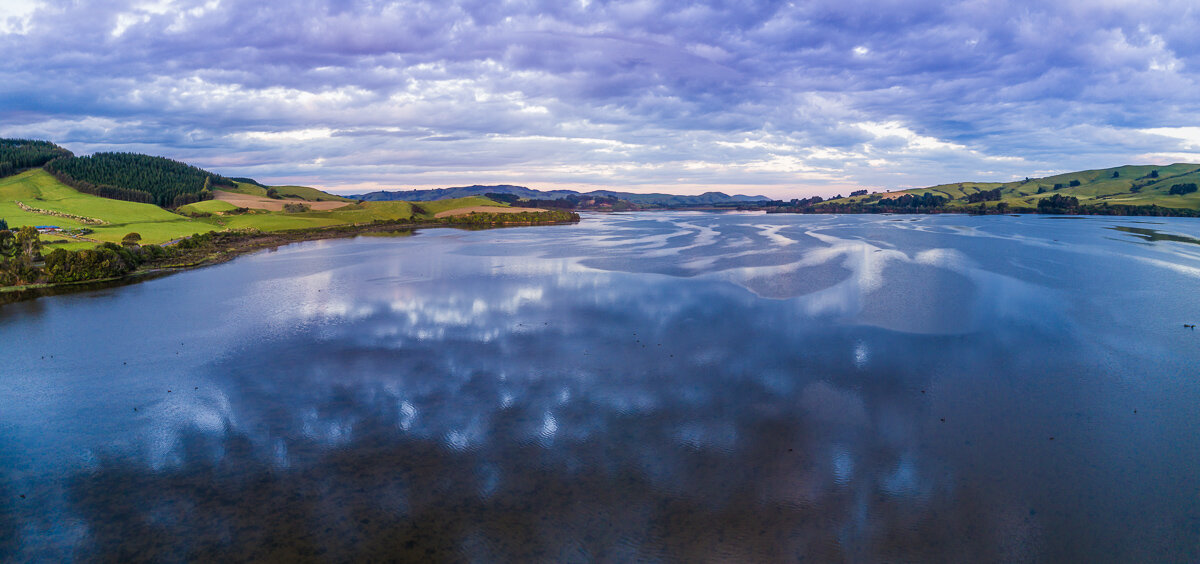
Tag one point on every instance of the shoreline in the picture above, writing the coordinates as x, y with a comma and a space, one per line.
252, 242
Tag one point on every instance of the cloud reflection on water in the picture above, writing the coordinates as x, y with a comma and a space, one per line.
447, 397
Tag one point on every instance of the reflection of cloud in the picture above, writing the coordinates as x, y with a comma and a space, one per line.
825, 403
439, 390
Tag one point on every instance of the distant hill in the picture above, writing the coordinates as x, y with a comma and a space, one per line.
461, 192
1170, 186
707, 198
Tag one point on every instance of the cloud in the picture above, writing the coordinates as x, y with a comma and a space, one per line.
793, 97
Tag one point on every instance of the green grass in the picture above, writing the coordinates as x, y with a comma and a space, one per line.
291, 192
272, 221
36, 188
437, 206
308, 194
249, 189
208, 206
364, 213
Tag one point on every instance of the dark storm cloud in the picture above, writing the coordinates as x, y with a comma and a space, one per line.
649, 93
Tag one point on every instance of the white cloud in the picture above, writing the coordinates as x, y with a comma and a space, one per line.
15, 15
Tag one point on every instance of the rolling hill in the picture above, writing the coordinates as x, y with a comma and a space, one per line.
1130, 185
668, 200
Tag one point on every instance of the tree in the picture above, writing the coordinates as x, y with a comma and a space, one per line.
3, 225
131, 239
984, 196
8, 244
273, 194
29, 245
1181, 189
1074, 183
1002, 207
1116, 174
1058, 204
1154, 174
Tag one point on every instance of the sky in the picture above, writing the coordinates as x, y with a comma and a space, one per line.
783, 99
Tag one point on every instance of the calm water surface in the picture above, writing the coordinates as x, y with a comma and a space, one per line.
679, 387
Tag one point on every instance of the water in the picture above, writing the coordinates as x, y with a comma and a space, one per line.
654, 387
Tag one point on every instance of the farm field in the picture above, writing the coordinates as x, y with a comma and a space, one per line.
37, 189
264, 203
208, 206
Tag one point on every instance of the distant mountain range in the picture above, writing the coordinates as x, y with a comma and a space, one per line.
707, 198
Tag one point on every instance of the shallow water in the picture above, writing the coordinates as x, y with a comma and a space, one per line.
655, 387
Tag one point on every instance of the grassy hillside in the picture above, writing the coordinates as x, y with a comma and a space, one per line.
309, 194
207, 206
37, 189
289, 192
247, 188
1140, 185
437, 206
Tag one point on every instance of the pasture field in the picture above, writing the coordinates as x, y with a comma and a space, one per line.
308, 194
486, 209
37, 189
271, 221
208, 206
248, 189
271, 204
438, 206
291, 192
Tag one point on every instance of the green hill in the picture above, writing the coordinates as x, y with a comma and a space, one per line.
109, 220
1132, 185
20, 154
244, 186
308, 194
